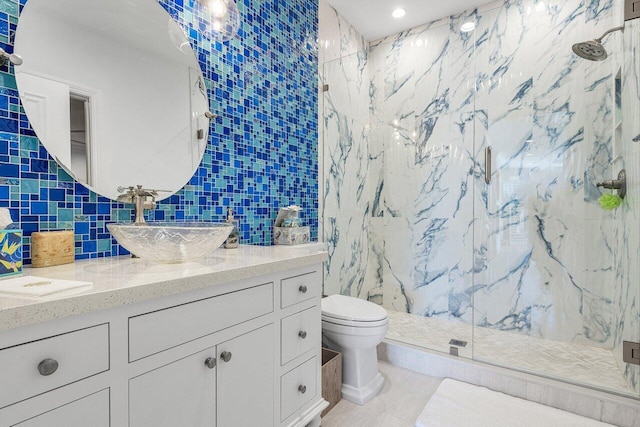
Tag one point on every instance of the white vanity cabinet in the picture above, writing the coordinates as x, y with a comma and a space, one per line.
226, 385
180, 393
94, 407
234, 354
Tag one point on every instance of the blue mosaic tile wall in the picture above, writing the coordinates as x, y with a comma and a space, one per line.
262, 150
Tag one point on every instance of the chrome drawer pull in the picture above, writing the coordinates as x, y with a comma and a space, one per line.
210, 362
303, 289
47, 367
302, 334
302, 389
226, 356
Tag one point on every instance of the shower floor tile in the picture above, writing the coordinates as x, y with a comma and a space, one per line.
581, 364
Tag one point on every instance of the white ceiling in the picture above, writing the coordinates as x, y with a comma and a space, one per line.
372, 18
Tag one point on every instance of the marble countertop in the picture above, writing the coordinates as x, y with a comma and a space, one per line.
125, 280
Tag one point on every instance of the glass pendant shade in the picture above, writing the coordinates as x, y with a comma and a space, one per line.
221, 17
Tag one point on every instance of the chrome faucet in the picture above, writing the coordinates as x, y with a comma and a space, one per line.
141, 198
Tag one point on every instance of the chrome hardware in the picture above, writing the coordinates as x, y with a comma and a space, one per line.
325, 87
47, 367
302, 334
210, 362
302, 389
142, 198
458, 343
11, 57
631, 9
619, 184
209, 115
631, 352
487, 165
302, 289
453, 351
225, 355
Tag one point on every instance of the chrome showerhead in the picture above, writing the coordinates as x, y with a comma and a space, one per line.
593, 50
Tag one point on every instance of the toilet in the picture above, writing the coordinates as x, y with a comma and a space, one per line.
355, 327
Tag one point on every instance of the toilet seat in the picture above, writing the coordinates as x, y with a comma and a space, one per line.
354, 323
354, 312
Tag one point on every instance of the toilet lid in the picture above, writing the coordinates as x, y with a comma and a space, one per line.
351, 309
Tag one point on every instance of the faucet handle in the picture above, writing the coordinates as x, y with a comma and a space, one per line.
130, 193
122, 189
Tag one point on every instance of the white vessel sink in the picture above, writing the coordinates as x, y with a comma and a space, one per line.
171, 242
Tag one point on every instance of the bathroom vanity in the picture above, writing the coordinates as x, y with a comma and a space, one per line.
231, 340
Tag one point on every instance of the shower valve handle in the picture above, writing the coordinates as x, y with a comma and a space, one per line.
613, 184
619, 184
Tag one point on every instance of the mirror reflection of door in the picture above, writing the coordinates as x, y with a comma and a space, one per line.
47, 103
80, 138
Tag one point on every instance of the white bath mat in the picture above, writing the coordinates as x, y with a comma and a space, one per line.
458, 404
33, 286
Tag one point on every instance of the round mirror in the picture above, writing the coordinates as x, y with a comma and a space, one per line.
114, 92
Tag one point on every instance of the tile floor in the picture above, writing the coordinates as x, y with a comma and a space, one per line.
403, 397
580, 364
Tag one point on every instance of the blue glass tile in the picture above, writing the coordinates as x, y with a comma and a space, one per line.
81, 228
9, 170
89, 208
38, 208
29, 227
266, 95
56, 194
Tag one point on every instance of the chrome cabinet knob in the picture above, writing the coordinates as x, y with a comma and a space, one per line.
225, 355
47, 367
302, 389
303, 289
210, 362
302, 334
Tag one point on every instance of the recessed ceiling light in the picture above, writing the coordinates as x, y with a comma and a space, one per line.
398, 13
467, 26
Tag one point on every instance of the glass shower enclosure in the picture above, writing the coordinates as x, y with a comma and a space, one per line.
461, 174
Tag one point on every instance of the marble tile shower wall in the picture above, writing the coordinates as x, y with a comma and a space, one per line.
262, 151
348, 158
533, 251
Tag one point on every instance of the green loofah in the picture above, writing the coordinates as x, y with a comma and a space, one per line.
609, 201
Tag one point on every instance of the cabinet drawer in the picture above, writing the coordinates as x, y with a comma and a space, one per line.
30, 369
297, 388
300, 288
300, 333
157, 331
94, 407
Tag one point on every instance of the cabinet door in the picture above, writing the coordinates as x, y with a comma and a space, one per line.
182, 393
245, 379
92, 410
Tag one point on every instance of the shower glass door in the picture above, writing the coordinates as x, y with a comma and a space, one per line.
551, 266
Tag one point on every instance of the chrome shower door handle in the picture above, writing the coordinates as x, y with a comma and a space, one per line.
487, 164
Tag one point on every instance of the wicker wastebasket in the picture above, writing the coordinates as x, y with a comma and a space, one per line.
331, 378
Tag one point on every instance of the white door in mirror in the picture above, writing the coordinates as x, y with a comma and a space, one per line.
48, 104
